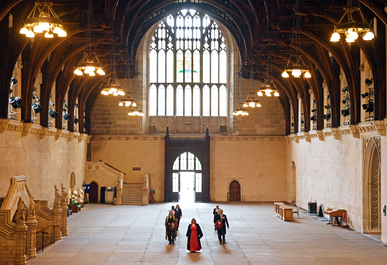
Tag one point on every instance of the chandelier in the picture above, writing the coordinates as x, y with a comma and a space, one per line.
112, 88
239, 111
350, 28
135, 111
128, 101
268, 86
299, 68
46, 21
251, 101
89, 64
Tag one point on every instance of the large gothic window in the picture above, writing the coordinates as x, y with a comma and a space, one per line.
188, 67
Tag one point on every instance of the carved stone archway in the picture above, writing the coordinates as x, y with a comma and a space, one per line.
371, 186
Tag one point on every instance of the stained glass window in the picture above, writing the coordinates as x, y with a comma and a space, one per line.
188, 67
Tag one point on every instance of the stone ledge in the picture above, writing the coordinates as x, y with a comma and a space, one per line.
356, 131
30, 128
127, 137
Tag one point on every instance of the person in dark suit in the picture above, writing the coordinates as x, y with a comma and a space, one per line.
194, 233
170, 228
221, 231
178, 215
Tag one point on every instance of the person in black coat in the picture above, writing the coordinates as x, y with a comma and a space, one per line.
178, 215
170, 233
194, 233
222, 231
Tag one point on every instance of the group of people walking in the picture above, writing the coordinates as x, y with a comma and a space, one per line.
194, 231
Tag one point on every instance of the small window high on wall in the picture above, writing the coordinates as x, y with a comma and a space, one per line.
188, 67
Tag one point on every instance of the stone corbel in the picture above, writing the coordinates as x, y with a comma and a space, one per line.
70, 137
354, 131
88, 138
58, 134
307, 137
320, 135
3, 125
335, 133
44, 133
296, 139
26, 129
380, 127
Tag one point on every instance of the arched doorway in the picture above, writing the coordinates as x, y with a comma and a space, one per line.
200, 147
371, 186
235, 191
187, 177
93, 196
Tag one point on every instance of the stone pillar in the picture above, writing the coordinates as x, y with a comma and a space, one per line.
31, 236
120, 182
63, 227
57, 221
145, 192
20, 248
118, 195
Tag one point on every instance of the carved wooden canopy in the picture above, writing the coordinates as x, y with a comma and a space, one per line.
256, 25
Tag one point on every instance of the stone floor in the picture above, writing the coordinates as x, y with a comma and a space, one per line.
106, 234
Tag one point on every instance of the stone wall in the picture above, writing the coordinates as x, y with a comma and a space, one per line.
267, 120
332, 172
45, 162
130, 153
109, 118
258, 163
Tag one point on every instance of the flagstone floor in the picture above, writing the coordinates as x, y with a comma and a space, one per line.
107, 234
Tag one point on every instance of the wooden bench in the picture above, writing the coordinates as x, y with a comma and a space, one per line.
283, 211
286, 212
277, 208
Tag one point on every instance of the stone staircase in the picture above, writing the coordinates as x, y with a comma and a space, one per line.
132, 194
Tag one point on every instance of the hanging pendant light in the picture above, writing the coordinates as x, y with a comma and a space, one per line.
251, 101
135, 111
46, 21
268, 87
89, 63
239, 111
112, 88
350, 27
298, 68
128, 101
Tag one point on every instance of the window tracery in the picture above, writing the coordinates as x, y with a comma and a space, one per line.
188, 67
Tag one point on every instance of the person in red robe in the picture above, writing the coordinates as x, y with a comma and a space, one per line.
194, 233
